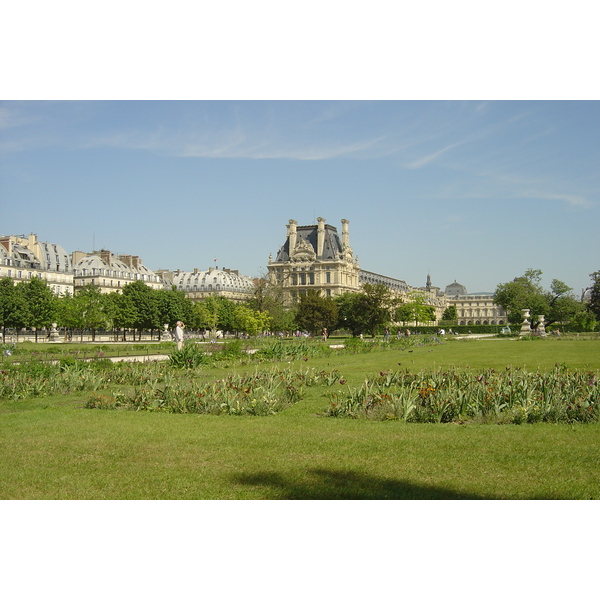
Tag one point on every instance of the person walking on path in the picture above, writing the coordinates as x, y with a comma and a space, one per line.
179, 334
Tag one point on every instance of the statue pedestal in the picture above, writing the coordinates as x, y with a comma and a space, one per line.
53, 334
541, 328
525, 325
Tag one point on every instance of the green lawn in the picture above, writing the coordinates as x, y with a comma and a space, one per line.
52, 448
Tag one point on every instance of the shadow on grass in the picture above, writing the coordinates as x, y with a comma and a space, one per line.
329, 484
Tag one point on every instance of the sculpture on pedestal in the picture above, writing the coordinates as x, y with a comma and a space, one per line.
525, 325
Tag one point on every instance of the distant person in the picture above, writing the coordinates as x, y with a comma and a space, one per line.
324, 334
179, 334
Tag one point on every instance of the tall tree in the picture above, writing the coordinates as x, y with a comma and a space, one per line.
124, 313
316, 312
173, 306
366, 311
269, 296
95, 309
450, 314
250, 321
145, 301
41, 303
376, 304
416, 310
69, 315
594, 302
13, 306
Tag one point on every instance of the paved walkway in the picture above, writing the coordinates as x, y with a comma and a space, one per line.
140, 358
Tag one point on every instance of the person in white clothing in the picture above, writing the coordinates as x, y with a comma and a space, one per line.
179, 334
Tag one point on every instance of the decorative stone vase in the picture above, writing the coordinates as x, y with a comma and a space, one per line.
53, 334
541, 328
525, 325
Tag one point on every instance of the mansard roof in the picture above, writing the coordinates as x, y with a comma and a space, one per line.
456, 289
111, 263
332, 245
55, 257
227, 280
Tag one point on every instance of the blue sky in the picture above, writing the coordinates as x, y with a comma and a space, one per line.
476, 191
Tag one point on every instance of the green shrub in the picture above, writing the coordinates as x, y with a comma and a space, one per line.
442, 396
190, 356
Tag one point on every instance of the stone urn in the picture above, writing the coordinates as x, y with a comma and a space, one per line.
525, 325
53, 333
541, 328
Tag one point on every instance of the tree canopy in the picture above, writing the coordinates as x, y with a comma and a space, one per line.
366, 311
416, 310
316, 312
594, 304
557, 304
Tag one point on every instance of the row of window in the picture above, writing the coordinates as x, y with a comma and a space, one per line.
210, 288
18, 274
203, 282
489, 312
121, 274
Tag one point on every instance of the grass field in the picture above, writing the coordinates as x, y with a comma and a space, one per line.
53, 448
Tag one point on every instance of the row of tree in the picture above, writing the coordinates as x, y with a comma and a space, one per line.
139, 308
558, 304
365, 312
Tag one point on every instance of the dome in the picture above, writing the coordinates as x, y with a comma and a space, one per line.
456, 289
211, 281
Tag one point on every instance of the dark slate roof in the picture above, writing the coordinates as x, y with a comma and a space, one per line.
331, 247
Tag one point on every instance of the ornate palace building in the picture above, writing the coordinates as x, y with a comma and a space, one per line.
314, 257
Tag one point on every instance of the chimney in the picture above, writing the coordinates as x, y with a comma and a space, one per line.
292, 235
345, 234
105, 256
320, 236
136, 262
77, 256
126, 258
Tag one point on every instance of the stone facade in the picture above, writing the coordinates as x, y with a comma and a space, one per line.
474, 309
22, 258
109, 272
201, 284
314, 257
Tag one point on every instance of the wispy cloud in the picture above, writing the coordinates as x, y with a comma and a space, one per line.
272, 150
425, 160
13, 118
574, 200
